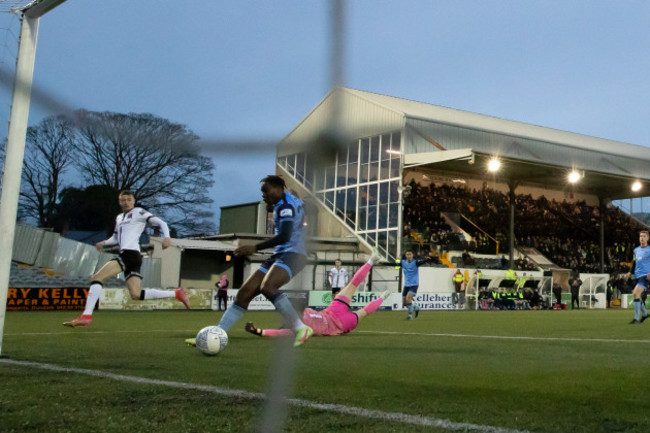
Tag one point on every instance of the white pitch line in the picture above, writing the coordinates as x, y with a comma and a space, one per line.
509, 337
27, 334
422, 334
397, 417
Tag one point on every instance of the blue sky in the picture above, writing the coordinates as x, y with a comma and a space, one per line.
254, 69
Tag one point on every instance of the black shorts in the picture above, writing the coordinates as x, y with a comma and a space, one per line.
130, 261
409, 289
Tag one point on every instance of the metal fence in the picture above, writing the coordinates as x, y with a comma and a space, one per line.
43, 248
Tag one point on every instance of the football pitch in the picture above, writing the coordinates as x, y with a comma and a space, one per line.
511, 371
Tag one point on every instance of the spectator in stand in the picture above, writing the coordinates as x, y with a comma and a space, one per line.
575, 242
574, 284
625, 283
467, 259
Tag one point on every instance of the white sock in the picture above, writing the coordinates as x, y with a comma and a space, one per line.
94, 291
298, 324
158, 294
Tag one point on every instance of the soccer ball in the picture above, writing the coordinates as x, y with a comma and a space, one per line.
211, 340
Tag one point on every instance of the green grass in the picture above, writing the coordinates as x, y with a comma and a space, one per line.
538, 385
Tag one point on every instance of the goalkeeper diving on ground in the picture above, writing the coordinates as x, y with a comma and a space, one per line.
337, 318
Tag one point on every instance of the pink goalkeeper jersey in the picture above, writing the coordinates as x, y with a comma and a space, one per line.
322, 322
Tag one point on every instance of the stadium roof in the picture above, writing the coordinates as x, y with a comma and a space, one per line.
481, 122
199, 244
531, 154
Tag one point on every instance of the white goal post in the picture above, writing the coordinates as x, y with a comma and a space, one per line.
16, 136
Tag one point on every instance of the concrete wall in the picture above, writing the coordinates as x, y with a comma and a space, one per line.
202, 269
170, 263
239, 219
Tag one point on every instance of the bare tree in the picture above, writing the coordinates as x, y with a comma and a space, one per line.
48, 151
155, 158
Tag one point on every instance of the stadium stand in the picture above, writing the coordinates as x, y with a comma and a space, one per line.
36, 277
574, 227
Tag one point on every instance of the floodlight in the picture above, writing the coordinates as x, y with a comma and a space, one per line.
574, 177
494, 165
636, 186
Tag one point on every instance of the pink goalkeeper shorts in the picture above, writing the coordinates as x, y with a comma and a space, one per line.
340, 309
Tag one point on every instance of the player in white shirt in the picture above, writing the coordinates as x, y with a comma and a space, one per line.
129, 225
338, 277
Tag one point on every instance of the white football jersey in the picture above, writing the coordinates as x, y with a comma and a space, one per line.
129, 226
338, 277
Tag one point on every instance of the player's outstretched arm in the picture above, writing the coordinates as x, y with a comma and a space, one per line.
286, 228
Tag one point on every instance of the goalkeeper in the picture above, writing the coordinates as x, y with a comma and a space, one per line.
337, 318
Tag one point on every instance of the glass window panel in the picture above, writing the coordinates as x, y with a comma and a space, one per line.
393, 215
362, 218
341, 176
353, 152
320, 196
382, 239
300, 166
372, 218
320, 180
374, 149
383, 193
384, 171
392, 242
385, 147
395, 142
374, 172
351, 201
363, 196
394, 167
363, 175
372, 194
383, 216
341, 156
372, 238
394, 192
329, 199
340, 200
329, 177
309, 174
352, 173
365, 150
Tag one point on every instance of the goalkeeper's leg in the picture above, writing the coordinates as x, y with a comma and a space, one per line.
251, 328
358, 278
